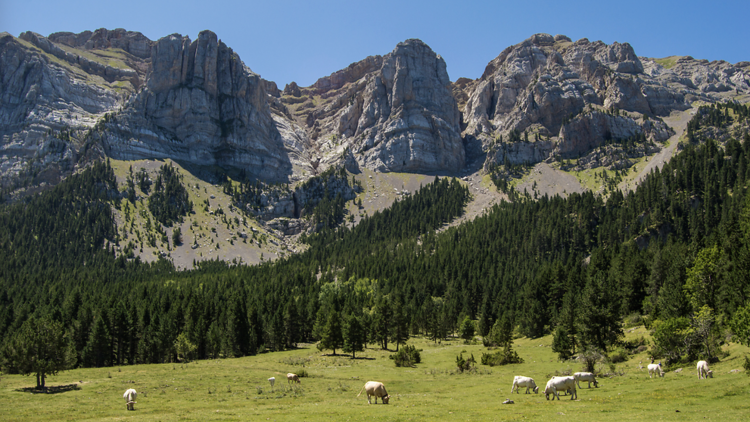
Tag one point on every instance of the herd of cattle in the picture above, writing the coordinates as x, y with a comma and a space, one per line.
554, 387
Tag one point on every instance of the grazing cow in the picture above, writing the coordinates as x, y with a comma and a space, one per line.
585, 376
655, 368
272, 380
703, 371
520, 382
376, 389
290, 378
557, 384
129, 397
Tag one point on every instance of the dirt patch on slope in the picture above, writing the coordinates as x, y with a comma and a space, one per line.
549, 181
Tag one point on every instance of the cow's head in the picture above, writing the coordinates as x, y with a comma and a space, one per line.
710, 374
536, 389
385, 399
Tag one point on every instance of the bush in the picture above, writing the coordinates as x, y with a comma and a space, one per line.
465, 364
407, 356
502, 357
302, 373
746, 365
618, 355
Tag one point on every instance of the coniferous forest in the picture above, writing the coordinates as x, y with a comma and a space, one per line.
674, 253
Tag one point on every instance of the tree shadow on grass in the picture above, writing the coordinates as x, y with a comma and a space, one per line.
54, 389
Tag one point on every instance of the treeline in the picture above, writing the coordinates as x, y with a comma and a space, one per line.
675, 250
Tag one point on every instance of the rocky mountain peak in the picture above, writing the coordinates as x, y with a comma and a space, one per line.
394, 113
134, 43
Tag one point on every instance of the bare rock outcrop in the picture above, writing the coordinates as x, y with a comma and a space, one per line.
542, 84
131, 42
49, 99
201, 104
395, 113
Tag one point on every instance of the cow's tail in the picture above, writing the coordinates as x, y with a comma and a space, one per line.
360, 391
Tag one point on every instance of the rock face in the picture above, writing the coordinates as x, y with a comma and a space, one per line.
49, 99
128, 97
396, 113
134, 43
558, 91
201, 104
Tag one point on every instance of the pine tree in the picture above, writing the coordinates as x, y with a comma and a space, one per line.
561, 343
467, 329
332, 336
382, 319
400, 325
600, 314
354, 336
98, 352
291, 324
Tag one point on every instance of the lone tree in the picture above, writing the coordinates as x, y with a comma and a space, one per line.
39, 347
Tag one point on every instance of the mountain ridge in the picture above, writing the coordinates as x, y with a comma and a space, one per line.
196, 101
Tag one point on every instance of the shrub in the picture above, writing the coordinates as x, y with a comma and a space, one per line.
501, 357
746, 365
302, 373
407, 356
618, 355
465, 364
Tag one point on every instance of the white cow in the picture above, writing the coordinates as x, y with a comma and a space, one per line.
703, 371
129, 397
290, 378
272, 380
376, 389
585, 376
557, 384
520, 382
655, 368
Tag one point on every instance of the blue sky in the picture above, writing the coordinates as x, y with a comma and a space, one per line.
297, 40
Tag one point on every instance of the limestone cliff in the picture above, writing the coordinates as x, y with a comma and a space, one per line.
560, 92
200, 104
50, 97
117, 93
395, 113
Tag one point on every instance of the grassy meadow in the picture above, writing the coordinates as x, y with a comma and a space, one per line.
237, 389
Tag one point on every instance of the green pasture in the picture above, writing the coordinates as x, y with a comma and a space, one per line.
237, 389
